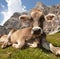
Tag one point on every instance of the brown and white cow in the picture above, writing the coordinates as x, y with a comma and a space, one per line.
36, 22
21, 37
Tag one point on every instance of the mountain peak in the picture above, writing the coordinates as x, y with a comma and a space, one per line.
40, 5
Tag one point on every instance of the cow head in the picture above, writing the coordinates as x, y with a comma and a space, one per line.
38, 19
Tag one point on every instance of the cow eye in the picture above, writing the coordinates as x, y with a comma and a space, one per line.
42, 18
22, 18
31, 19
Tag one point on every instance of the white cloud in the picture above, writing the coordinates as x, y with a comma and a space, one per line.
13, 6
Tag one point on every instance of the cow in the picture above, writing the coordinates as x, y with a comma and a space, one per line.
36, 21
21, 37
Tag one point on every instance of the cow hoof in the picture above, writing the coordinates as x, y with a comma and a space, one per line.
3, 46
58, 52
15, 46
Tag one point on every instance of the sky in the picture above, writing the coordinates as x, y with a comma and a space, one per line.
8, 7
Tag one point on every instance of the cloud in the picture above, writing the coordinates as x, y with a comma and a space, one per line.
13, 6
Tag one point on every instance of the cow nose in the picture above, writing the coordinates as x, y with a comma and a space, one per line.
36, 30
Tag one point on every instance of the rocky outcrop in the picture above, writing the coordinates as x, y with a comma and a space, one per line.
13, 22
2, 30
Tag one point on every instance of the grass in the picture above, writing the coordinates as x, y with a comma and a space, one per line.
54, 39
31, 53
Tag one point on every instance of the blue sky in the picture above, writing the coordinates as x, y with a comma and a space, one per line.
27, 3
31, 3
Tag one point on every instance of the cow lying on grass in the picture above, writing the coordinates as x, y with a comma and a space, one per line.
34, 32
21, 37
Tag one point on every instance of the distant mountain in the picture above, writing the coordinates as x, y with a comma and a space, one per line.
14, 22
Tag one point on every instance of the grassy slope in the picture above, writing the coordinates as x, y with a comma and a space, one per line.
31, 53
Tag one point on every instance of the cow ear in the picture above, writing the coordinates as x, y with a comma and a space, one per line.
19, 17
23, 17
49, 17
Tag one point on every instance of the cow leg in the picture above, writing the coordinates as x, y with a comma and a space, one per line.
8, 40
49, 46
34, 44
5, 44
19, 44
15, 45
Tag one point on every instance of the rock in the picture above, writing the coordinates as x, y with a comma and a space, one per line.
13, 22
2, 30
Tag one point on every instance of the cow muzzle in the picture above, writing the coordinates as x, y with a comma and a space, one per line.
36, 30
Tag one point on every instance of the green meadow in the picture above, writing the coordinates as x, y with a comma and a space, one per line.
31, 53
